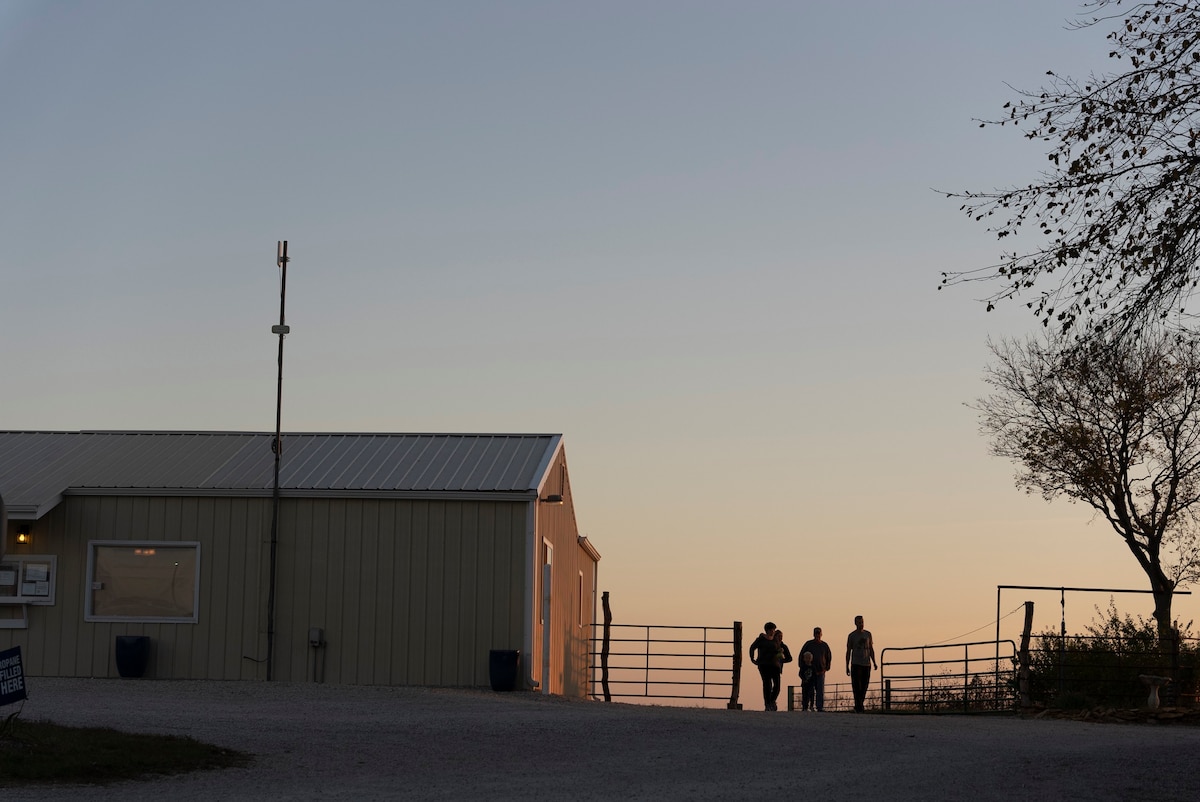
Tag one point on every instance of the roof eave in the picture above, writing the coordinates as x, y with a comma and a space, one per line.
587, 546
293, 493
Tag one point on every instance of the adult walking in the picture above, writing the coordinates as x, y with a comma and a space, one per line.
860, 658
764, 653
822, 662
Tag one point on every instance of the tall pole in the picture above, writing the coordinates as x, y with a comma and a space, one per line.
281, 259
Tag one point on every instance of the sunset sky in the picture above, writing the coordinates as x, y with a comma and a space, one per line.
702, 240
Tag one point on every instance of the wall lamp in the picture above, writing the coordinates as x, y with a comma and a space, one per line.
23, 535
557, 498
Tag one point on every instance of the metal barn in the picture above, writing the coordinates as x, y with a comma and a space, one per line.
384, 559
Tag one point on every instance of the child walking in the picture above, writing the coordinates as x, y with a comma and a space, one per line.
807, 686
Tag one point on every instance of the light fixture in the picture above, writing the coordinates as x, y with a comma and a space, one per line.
557, 498
23, 535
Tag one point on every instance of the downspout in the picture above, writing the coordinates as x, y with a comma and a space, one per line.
530, 589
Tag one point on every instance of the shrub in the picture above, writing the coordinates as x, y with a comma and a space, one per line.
1101, 667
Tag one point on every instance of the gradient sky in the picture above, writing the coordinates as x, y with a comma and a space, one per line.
699, 239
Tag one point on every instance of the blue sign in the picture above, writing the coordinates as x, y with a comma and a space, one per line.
12, 677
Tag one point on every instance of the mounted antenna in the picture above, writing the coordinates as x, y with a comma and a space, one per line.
281, 261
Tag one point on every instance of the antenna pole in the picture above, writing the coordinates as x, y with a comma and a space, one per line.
281, 260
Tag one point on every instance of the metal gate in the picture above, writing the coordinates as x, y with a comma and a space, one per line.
976, 676
660, 661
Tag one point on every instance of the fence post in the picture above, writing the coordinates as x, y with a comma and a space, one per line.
887, 694
604, 647
1023, 657
924, 685
966, 677
737, 667
646, 688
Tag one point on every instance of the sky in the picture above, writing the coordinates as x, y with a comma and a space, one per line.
702, 240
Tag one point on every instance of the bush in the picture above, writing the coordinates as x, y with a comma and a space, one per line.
1101, 667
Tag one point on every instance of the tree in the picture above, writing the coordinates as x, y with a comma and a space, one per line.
1113, 423
1117, 214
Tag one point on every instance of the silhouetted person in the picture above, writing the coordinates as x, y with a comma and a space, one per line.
807, 674
763, 653
822, 662
860, 658
782, 655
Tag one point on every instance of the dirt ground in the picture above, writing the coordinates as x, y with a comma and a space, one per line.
340, 742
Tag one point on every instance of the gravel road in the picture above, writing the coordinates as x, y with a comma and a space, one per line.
352, 742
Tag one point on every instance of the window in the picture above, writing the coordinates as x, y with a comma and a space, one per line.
27, 579
546, 582
143, 581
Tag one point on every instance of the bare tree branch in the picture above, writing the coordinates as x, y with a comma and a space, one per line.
1118, 210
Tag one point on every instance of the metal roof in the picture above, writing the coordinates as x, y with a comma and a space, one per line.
38, 468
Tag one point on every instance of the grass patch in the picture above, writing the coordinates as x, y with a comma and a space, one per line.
42, 752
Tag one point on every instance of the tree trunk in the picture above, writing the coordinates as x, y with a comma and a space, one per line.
1163, 590
1163, 596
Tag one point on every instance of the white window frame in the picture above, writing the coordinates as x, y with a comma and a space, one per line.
547, 559
92, 545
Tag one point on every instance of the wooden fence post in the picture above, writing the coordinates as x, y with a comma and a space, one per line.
1023, 657
604, 647
737, 666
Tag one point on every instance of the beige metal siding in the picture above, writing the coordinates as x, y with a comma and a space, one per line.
58, 642
407, 592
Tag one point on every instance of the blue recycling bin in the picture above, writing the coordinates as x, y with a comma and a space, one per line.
504, 668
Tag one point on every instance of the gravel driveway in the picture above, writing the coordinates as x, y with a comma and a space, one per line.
352, 742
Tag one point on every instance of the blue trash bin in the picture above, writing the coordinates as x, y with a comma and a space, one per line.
133, 655
504, 668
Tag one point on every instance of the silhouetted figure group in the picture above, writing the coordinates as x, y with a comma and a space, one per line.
817, 659
769, 653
